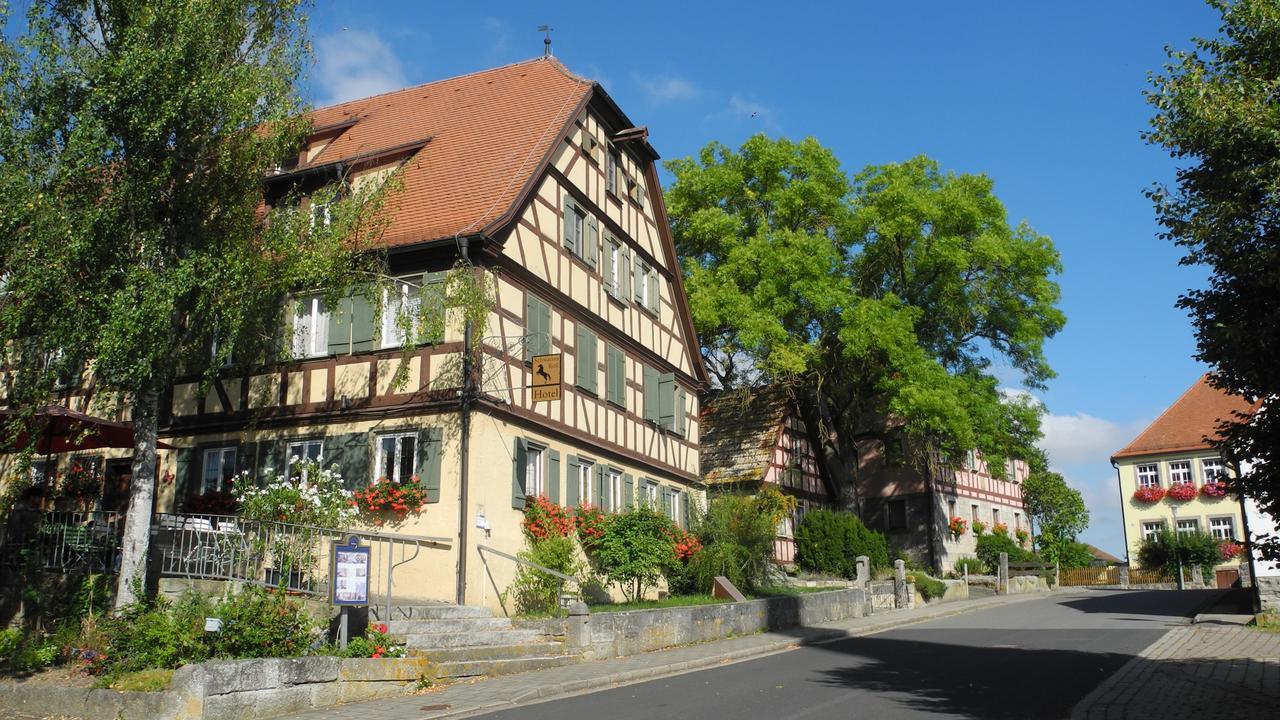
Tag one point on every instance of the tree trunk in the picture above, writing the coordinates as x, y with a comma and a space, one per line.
137, 524
837, 452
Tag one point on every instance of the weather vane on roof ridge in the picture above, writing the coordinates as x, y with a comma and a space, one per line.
546, 41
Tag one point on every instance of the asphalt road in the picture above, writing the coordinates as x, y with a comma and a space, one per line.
1033, 659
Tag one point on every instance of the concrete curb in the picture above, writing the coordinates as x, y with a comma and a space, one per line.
814, 636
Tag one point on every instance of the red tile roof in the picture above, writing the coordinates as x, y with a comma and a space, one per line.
1188, 423
489, 132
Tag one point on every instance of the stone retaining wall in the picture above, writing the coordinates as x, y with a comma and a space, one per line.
1269, 592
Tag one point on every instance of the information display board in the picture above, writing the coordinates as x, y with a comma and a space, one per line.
350, 584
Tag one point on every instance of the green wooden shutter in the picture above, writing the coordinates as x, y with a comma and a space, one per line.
685, 520
616, 371
571, 482
653, 291
582, 359
430, 448
553, 476
605, 496
650, 394
538, 327
624, 277
640, 274
570, 227
609, 246
517, 473
628, 491
340, 328
362, 324
598, 482
592, 243
350, 454
186, 467
681, 413
665, 494
667, 400
433, 291
247, 459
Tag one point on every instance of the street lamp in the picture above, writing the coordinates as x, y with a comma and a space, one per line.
1177, 546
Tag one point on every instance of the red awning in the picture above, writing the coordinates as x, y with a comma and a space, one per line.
59, 429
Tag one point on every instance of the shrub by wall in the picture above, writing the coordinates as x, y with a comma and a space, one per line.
830, 542
990, 547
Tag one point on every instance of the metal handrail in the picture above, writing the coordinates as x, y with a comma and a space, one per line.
521, 561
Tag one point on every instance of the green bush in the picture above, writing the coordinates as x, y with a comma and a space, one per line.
635, 550
975, 566
1163, 549
829, 542
990, 546
930, 588
10, 639
260, 623
157, 634
533, 591
737, 534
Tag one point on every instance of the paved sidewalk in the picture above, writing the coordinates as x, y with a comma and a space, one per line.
491, 694
1203, 672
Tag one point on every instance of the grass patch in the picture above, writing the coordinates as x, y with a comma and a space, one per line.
142, 681
673, 601
792, 591
1268, 622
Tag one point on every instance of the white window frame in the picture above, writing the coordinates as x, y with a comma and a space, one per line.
1186, 526
612, 162
311, 330
1148, 475
674, 510
302, 449
405, 301
1150, 528
787, 526
397, 467
1217, 529
579, 220
1180, 472
649, 493
221, 456
613, 476
586, 488
615, 268
1212, 469
535, 483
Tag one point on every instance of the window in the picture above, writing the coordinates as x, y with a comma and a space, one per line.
399, 312
786, 526
615, 376
219, 467
591, 146
613, 477
649, 493
613, 165
951, 509
1180, 472
320, 214
646, 287
534, 482
615, 263
397, 457
895, 515
974, 513
665, 402
1149, 476
301, 450
1152, 529
586, 494
995, 516
1212, 470
1187, 527
588, 366
537, 327
1017, 521
310, 327
581, 232
1223, 528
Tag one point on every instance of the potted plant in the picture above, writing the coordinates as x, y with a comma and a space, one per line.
1182, 492
979, 528
1149, 494
389, 502
957, 526
1230, 549
1000, 529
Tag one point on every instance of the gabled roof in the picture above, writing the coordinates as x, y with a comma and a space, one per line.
738, 431
1100, 554
1189, 423
489, 133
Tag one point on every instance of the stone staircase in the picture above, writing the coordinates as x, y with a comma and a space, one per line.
464, 641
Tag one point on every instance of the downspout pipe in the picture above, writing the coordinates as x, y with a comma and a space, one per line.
464, 445
1124, 525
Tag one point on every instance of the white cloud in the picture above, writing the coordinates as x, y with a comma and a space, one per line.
1079, 438
667, 88
353, 64
499, 36
747, 110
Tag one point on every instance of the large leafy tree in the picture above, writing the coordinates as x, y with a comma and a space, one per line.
1217, 112
885, 297
136, 136
1057, 511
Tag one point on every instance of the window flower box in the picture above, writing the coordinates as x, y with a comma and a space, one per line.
389, 501
1182, 492
1230, 550
1149, 494
999, 529
957, 526
1213, 490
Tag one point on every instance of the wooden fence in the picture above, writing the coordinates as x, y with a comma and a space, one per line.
1078, 577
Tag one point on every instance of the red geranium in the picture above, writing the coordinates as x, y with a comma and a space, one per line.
1149, 494
686, 544
957, 526
385, 500
544, 519
1214, 489
588, 521
1230, 549
1182, 492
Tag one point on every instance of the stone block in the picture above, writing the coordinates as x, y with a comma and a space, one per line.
231, 676
305, 670
257, 703
723, 587
1268, 592
383, 669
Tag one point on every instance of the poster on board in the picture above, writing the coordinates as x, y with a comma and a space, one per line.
350, 584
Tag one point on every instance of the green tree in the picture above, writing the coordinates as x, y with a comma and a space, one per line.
886, 295
1163, 550
136, 137
1217, 113
636, 550
1056, 509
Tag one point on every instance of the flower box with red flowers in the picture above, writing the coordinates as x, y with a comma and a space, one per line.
1182, 492
957, 526
999, 529
386, 500
1230, 549
1150, 494
1214, 489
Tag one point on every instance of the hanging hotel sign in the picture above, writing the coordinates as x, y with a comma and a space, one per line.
546, 376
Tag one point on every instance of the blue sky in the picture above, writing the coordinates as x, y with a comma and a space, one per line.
1046, 98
